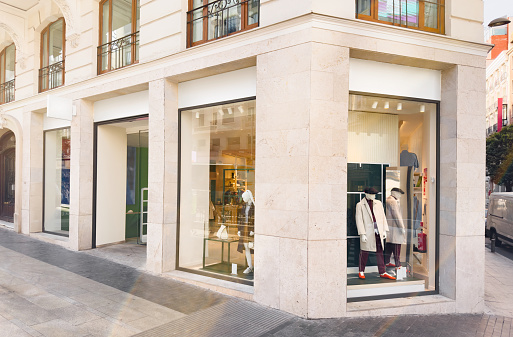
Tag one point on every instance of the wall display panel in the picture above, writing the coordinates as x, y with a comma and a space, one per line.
57, 175
217, 190
392, 197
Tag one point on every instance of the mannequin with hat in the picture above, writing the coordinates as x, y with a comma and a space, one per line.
397, 230
372, 228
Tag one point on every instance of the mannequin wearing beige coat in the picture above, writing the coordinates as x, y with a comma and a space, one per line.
365, 224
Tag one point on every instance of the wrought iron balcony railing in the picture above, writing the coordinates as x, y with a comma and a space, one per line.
118, 53
51, 76
7, 92
221, 18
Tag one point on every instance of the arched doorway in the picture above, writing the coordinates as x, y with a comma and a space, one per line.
7, 176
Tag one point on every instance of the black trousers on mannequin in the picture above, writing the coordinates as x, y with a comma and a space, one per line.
364, 255
393, 248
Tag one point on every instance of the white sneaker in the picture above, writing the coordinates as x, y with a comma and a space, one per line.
248, 270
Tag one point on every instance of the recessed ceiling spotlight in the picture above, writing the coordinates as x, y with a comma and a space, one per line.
387, 105
422, 108
197, 114
399, 106
230, 111
221, 112
241, 109
374, 105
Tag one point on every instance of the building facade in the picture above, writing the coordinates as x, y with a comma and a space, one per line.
240, 140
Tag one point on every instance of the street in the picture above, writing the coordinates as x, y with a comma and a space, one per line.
46, 290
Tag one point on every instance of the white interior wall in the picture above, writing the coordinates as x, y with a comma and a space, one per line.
53, 181
194, 192
396, 80
111, 184
373, 138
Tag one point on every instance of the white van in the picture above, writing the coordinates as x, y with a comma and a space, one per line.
499, 223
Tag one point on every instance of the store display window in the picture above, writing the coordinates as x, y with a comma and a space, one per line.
391, 197
217, 191
57, 150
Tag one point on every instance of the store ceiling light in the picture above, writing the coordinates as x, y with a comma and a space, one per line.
387, 105
399, 106
241, 109
422, 108
197, 114
221, 112
230, 111
374, 105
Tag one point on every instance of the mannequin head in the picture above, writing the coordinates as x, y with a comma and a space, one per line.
247, 196
397, 192
370, 196
370, 193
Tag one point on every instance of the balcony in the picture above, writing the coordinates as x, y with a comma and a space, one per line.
52, 76
221, 18
7, 92
118, 53
492, 129
426, 15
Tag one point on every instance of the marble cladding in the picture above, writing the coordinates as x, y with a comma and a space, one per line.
162, 176
81, 177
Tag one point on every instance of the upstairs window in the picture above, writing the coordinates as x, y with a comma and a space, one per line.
51, 74
427, 15
119, 34
7, 65
212, 19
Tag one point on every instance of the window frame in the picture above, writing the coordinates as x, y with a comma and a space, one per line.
100, 37
47, 31
205, 39
421, 17
2, 74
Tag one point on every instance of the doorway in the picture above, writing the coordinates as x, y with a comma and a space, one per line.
7, 176
121, 181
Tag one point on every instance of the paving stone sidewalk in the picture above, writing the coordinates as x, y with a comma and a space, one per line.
46, 290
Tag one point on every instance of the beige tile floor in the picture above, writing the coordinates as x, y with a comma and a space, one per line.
39, 299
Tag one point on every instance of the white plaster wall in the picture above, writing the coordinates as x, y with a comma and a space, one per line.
392, 79
110, 185
122, 106
218, 88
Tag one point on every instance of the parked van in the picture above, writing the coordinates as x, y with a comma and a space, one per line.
499, 223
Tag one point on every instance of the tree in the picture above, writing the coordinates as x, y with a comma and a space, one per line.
499, 157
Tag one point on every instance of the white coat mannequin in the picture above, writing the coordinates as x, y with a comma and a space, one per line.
363, 236
398, 196
247, 197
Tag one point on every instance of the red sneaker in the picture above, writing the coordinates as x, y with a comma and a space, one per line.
360, 275
391, 265
387, 275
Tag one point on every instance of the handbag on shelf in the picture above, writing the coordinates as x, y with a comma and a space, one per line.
222, 233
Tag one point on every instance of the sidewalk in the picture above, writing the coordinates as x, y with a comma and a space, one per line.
46, 290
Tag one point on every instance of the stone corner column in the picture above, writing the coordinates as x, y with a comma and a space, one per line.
162, 176
81, 180
32, 172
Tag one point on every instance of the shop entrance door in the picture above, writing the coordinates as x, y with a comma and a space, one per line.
7, 176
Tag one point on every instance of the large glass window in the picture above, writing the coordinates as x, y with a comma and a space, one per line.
119, 34
392, 196
7, 67
51, 74
57, 181
425, 15
217, 190
211, 19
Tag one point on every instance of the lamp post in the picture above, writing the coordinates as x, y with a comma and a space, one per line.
499, 22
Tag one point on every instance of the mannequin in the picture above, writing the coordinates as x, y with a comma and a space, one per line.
408, 158
372, 227
397, 233
246, 228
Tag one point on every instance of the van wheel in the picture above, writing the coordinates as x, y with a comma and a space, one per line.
493, 235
